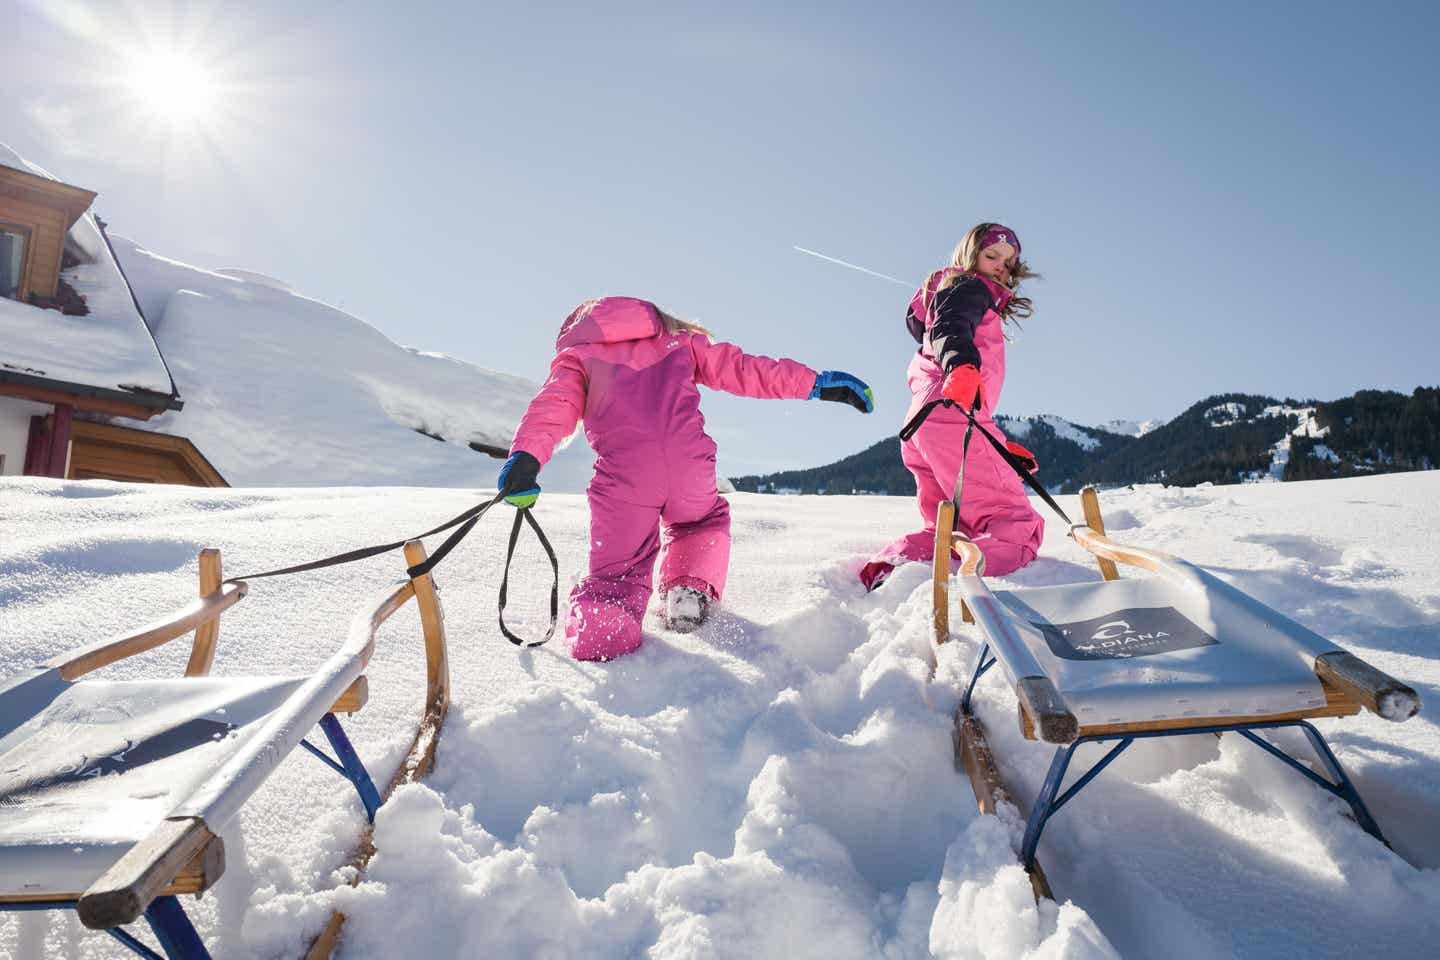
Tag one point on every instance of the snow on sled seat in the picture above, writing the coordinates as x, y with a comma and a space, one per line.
114, 792
1181, 652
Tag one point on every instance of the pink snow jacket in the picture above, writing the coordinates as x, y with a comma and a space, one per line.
958, 325
635, 386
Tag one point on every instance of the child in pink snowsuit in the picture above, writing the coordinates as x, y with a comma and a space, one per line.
630, 372
957, 319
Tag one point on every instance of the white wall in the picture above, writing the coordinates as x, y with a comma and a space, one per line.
15, 431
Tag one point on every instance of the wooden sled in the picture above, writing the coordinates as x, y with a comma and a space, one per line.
115, 791
1181, 652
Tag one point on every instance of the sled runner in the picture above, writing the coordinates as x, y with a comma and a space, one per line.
114, 792
1181, 652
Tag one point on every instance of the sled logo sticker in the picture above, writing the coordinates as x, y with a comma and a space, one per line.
42, 768
1139, 632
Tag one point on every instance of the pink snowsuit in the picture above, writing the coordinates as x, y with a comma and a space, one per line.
994, 511
653, 491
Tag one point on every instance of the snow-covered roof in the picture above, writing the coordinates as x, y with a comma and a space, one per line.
109, 352
283, 390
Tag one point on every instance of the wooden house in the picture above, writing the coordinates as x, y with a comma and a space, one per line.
77, 359
36, 214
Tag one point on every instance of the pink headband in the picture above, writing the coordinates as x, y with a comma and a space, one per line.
999, 234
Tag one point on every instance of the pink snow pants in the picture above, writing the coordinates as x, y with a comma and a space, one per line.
690, 534
994, 511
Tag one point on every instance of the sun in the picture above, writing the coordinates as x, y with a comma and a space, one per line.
174, 87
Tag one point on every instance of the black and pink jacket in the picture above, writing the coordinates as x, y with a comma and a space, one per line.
958, 325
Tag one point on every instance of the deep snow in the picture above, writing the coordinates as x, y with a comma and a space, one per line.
780, 783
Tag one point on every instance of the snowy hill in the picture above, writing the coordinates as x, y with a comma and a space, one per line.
1234, 438
283, 390
1130, 428
1021, 428
781, 783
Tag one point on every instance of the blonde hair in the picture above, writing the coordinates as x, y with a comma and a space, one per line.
674, 324
967, 254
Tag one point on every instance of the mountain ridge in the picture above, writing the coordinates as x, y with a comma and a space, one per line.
1224, 438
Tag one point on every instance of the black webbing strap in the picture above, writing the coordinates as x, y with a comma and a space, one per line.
529, 518
466, 522
472, 514
960, 474
1015, 463
908, 431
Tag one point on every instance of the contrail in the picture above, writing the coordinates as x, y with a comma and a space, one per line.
883, 276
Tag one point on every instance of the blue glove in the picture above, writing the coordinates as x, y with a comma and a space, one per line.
843, 388
517, 480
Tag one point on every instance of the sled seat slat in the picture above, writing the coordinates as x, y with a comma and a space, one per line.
1374, 689
126, 889
1042, 707
199, 875
354, 698
1337, 704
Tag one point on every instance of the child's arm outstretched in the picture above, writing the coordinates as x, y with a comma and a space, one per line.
551, 417
724, 366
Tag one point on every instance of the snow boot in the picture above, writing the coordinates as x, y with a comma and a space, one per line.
686, 608
599, 630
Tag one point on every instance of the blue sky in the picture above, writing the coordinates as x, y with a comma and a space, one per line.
1219, 197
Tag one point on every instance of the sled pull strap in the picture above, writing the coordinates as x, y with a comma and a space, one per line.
528, 517
471, 515
522, 514
908, 431
960, 474
466, 522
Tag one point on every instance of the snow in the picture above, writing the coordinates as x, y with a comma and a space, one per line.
1020, 427
1308, 426
1224, 414
1322, 452
250, 276
781, 782
281, 389
109, 347
1130, 428
9, 158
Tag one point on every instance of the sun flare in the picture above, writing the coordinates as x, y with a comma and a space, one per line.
174, 87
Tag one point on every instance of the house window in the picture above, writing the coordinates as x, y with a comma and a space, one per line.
12, 259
